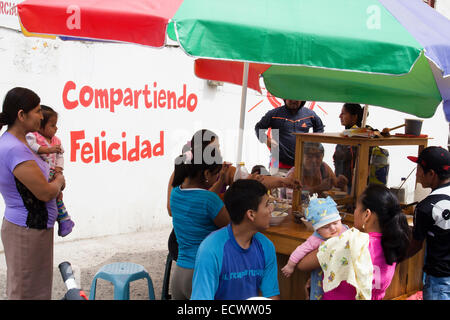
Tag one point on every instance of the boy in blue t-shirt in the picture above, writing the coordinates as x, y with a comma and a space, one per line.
238, 262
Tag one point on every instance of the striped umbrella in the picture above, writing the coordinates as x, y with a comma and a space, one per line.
389, 53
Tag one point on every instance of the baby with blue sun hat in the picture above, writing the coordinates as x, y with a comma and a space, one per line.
326, 221
321, 212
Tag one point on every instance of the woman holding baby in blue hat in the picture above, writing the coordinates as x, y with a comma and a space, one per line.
358, 263
326, 221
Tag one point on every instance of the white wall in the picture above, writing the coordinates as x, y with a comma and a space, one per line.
443, 6
110, 198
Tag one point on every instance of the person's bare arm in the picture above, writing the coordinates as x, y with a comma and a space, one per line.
328, 181
222, 218
309, 262
169, 190
277, 182
230, 175
223, 179
341, 182
53, 149
59, 169
31, 176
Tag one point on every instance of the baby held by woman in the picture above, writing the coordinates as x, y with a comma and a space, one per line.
326, 221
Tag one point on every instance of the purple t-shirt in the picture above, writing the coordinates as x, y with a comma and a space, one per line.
21, 206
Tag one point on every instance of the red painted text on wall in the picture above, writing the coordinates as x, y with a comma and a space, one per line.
154, 98
99, 149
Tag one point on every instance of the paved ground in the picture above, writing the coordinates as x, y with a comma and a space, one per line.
147, 248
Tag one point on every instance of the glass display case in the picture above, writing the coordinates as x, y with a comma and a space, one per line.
362, 146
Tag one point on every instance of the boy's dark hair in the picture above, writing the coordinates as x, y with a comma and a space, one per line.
47, 113
243, 195
441, 175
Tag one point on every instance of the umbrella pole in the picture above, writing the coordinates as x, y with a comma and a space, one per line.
242, 116
364, 119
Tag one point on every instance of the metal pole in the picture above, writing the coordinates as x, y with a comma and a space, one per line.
242, 116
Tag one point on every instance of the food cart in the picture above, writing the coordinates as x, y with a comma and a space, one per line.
289, 234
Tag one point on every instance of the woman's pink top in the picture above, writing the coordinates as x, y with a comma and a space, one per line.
382, 274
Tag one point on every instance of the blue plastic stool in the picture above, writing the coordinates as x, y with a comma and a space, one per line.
121, 274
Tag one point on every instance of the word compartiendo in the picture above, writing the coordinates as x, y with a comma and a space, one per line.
110, 99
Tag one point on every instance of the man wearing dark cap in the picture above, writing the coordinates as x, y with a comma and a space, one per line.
432, 221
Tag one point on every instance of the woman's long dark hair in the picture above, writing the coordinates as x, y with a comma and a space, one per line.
204, 155
17, 99
394, 226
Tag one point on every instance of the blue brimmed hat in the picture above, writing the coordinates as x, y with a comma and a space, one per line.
322, 211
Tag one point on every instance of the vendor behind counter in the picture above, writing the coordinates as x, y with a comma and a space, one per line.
317, 176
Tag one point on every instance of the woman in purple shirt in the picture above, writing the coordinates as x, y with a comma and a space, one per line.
30, 207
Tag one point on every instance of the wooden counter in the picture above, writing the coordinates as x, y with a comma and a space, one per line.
289, 234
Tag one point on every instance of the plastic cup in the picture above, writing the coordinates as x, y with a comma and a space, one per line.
413, 126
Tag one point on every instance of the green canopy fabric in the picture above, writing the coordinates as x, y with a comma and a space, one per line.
321, 33
407, 93
322, 50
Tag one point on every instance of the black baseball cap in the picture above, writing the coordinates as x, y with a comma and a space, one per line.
435, 158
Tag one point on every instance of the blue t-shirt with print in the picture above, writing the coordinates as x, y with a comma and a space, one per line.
225, 271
